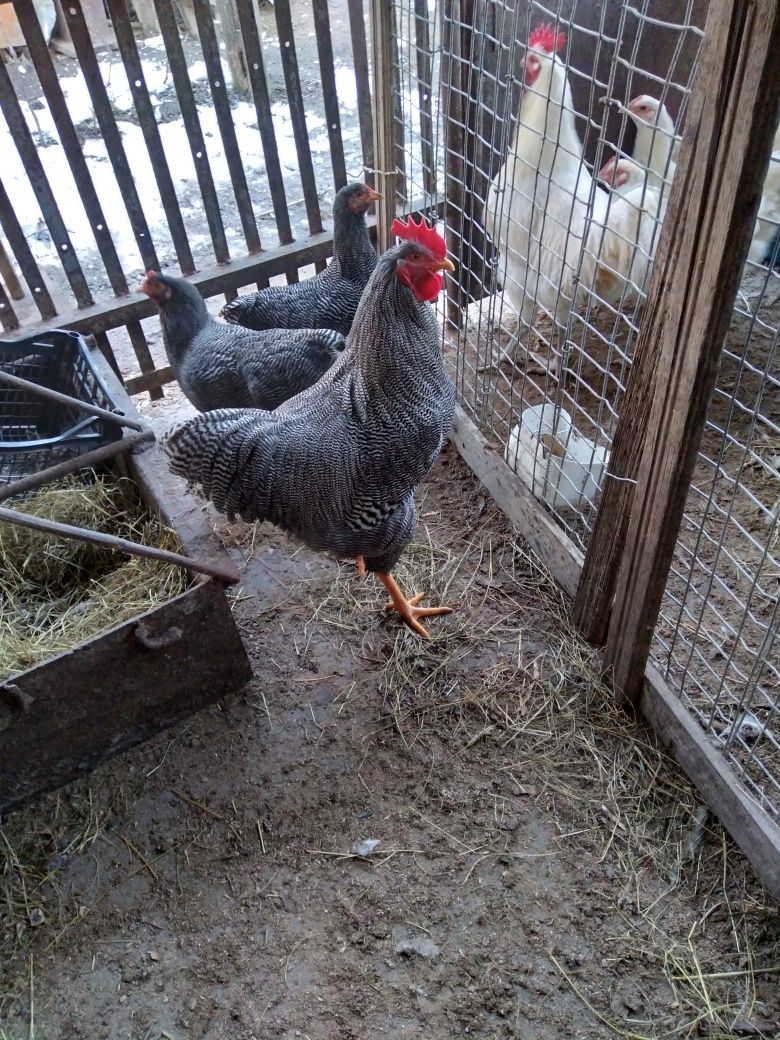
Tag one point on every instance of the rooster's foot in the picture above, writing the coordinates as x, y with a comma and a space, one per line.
408, 608
360, 563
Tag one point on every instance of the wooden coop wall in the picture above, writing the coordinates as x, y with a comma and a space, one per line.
678, 578
184, 134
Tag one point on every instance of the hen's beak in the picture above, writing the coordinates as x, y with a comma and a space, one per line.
373, 196
445, 264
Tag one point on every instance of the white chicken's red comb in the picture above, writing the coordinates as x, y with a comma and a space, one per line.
422, 233
545, 38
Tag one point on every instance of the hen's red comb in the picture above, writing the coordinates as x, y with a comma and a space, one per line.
422, 233
545, 38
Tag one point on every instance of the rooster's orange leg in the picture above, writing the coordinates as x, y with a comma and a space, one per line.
408, 608
361, 566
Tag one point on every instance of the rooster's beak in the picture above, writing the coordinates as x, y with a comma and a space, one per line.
445, 264
373, 196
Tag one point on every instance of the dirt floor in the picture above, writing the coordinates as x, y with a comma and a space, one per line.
385, 837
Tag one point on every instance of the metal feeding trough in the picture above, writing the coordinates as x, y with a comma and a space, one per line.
61, 718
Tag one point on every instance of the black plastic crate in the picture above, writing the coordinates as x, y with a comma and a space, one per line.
36, 433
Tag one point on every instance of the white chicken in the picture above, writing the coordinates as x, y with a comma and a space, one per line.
538, 206
768, 219
627, 247
655, 143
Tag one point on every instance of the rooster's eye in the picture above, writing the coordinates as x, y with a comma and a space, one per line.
414, 256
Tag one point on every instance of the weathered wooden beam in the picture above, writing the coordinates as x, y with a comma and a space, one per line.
723, 161
9, 275
385, 180
747, 823
558, 554
357, 28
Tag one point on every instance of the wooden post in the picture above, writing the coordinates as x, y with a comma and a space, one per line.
718, 184
382, 25
9, 276
469, 84
229, 33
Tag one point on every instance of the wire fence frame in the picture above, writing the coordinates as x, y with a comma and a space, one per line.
717, 639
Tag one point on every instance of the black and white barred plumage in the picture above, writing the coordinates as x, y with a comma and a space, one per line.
225, 366
337, 466
331, 298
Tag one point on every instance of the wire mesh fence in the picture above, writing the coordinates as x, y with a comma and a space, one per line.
545, 136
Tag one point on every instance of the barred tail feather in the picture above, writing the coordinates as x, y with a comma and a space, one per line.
211, 451
329, 341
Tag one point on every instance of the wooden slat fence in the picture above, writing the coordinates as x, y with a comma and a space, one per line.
184, 212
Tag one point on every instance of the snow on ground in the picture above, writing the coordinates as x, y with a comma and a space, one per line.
176, 146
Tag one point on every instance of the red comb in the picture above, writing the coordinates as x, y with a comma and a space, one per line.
421, 233
545, 38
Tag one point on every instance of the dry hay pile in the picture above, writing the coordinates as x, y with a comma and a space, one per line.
56, 592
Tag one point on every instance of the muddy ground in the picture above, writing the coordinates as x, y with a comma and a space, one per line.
541, 870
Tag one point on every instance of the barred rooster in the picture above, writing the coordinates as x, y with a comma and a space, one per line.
331, 298
224, 366
338, 465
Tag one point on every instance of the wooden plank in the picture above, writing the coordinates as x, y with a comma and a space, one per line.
39, 182
8, 317
213, 281
71, 145
219, 96
747, 823
104, 113
103, 344
120, 688
329, 95
143, 354
9, 275
131, 59
558, 554
28, 265
297, 113
146, 15
357, 29
228, 32
151, 380
265, 122
729, 130
189, 114
422, 43
384, 122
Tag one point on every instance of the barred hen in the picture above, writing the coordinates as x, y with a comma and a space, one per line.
338, 465
224, 366
331, 298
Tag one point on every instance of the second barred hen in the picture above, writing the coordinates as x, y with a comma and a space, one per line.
331, 298
224, 366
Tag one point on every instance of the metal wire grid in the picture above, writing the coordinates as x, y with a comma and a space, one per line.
571, 340
718, 635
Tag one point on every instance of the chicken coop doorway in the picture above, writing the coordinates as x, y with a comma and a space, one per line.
543, 329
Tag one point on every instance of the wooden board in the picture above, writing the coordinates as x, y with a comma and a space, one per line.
59, 720
731, 122
558, 554
718, 784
